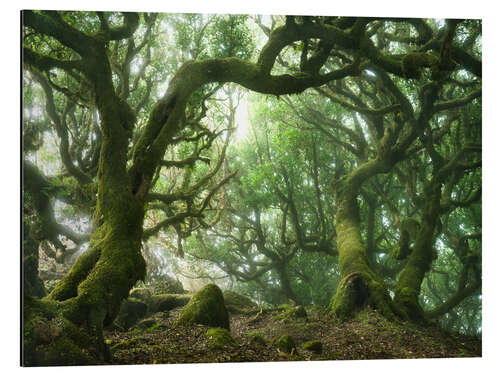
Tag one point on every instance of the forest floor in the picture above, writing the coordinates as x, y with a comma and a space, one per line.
367, 336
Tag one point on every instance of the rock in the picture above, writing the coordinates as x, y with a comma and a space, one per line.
237, 303
285, 344
206, 307
299, 312
167, 302
314, 346
131, 311
220, 338
146, 323
292, 312
167, 285
142, 294
257, 339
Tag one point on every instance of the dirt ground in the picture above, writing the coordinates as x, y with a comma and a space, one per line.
368, 336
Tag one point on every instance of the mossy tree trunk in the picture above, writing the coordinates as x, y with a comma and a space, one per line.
286, 287
359, 286
421, 256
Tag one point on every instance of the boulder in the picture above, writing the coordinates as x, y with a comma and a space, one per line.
220, 338
167, 285
167, 302
142, 294
206, 307
314, 346
285, 344
237, 303
131, 311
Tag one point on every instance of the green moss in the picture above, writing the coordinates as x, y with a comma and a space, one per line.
127, 344
206, 307
315, 346
167, 302
256, 337
51, 340
220, 338
131, 311
63, 352
146, 323
413, 63
237, 303
167, 285
291, 312
68, 286
284, 343
142, 294
358, 290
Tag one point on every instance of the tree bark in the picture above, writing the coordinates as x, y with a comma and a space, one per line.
360, 286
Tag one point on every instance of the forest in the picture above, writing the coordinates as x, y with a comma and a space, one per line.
249, 188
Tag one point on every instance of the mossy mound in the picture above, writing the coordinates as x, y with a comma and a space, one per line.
206, 307
237, 303
131, 311
51, 340
291, 313
146, 323
167, 302
299, 312
256, 337
142, 294
220, 338
284, 343
314, 346
167, 285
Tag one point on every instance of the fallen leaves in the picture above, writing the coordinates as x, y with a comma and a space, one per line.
369, 336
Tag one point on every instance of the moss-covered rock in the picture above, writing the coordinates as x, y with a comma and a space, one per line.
314, 346
237, 303
284, 343
299, 312
131, 311
142, 294
220, 338
206, 307
146, 323
167, 285
256, 337
167, 302
291, 312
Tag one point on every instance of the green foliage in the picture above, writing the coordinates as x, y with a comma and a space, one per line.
230, 36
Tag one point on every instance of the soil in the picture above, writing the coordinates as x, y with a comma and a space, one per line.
367, 336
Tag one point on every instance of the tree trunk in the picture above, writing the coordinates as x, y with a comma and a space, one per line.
359, 285
90, 295
421, 257
286, 288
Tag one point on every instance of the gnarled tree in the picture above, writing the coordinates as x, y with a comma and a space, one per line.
93, 55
